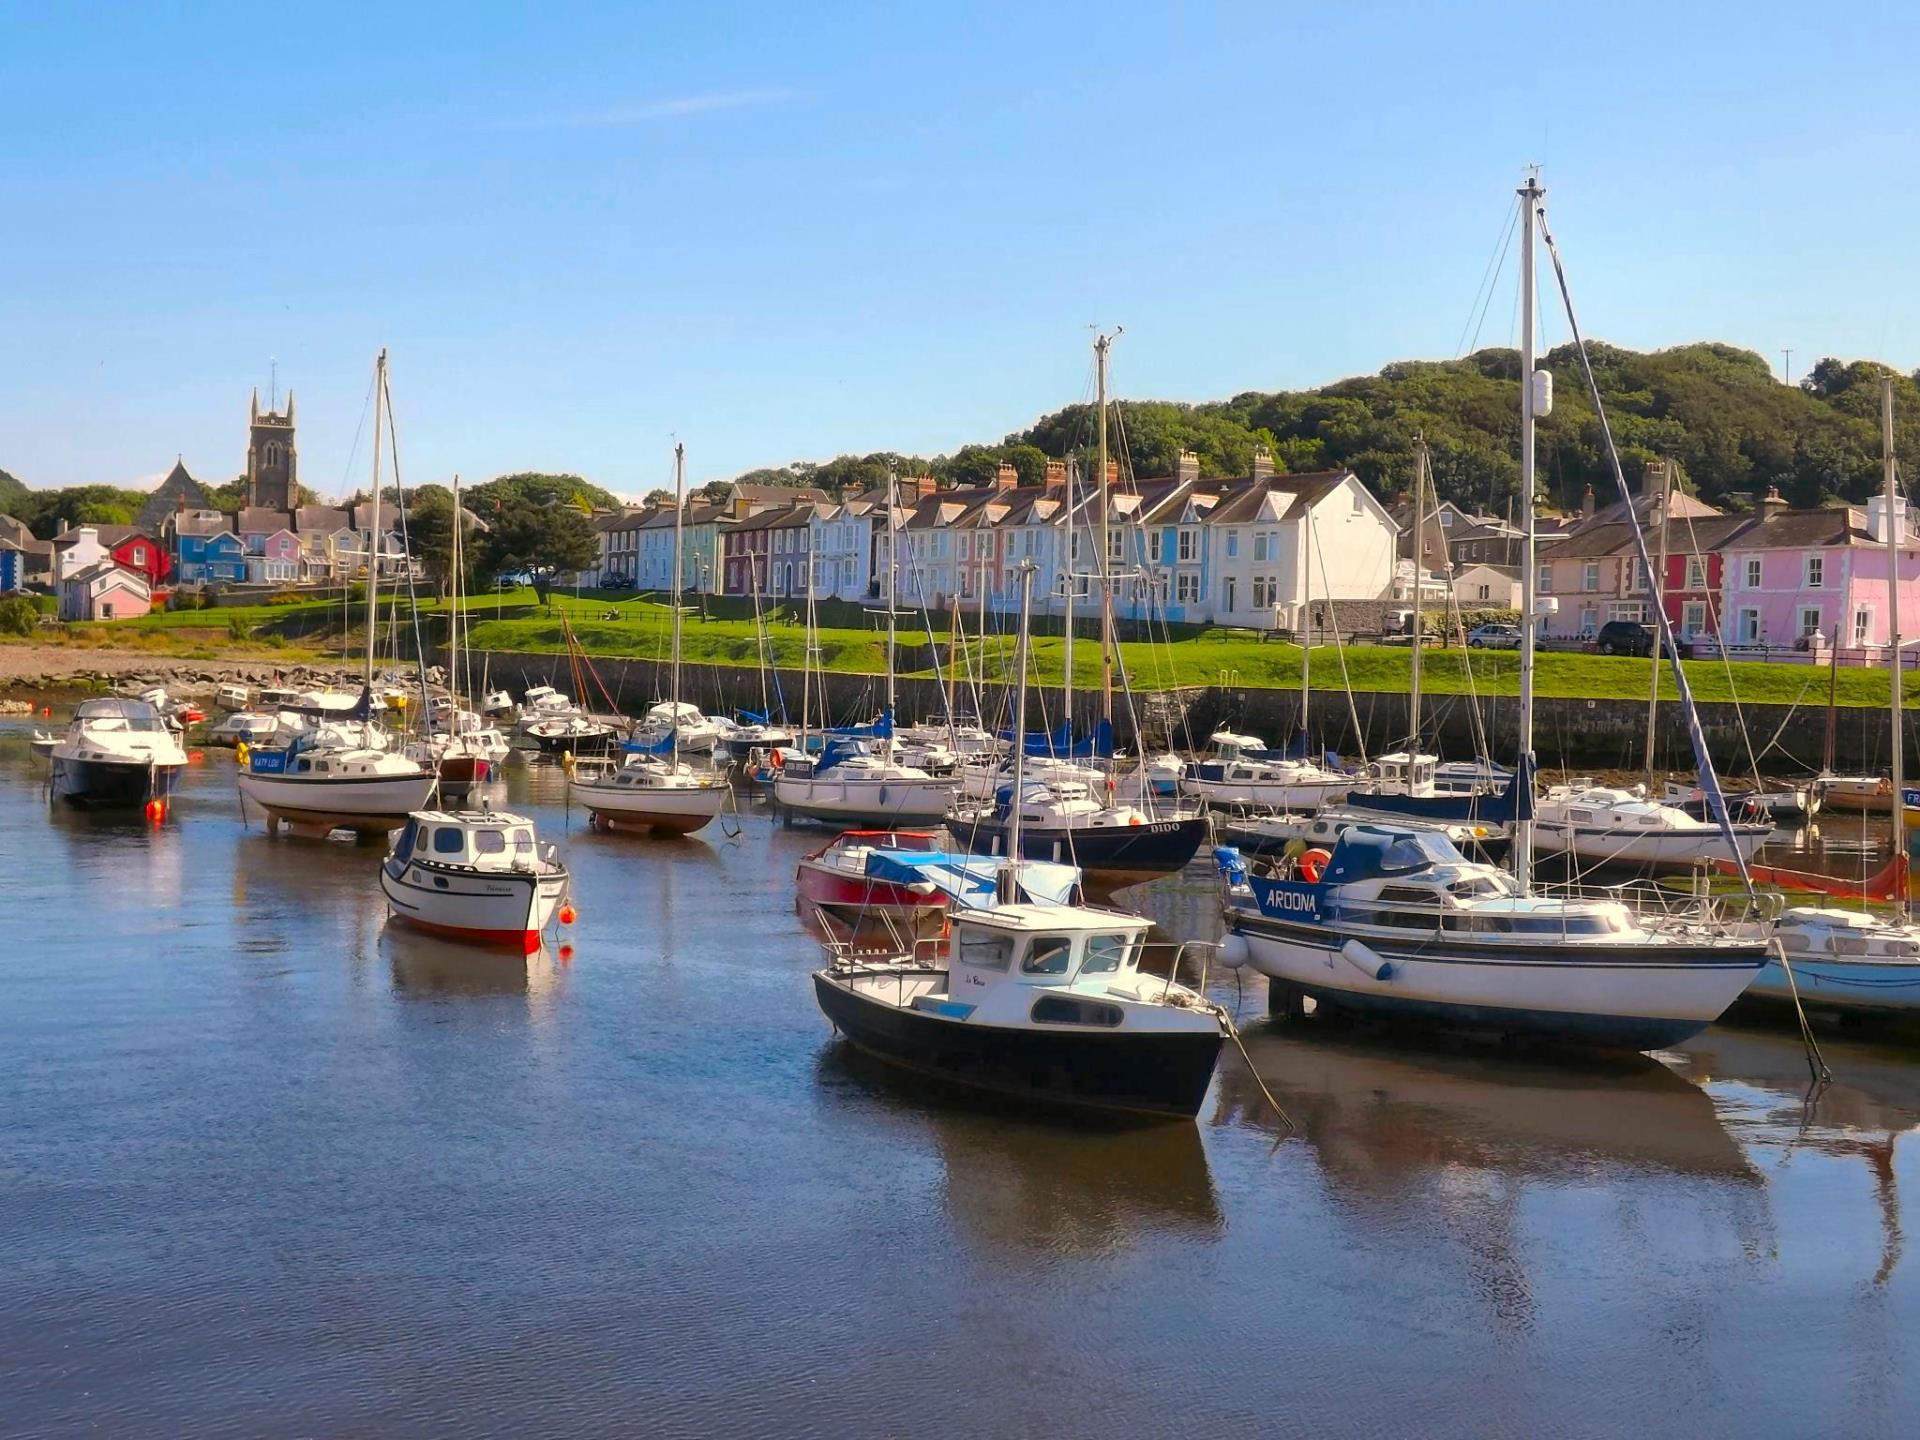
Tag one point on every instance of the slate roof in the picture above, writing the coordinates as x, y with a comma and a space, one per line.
261, 520
1241, 501
167, 496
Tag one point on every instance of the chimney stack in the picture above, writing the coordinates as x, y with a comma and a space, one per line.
1262, 463
1113, 473
1771, 504
1056, 475
1186, 467
1586, 503
1006, 477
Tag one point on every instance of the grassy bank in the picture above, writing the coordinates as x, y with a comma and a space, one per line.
639, 630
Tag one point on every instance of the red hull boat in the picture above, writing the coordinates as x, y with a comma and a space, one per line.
834, 876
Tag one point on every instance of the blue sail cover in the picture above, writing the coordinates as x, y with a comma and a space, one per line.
973, 881
838, 748
1363, 852
1504, 807
662, 746
1062, 746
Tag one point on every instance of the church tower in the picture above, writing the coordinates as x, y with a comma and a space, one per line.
272, 473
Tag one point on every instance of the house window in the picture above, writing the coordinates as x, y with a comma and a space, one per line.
1590, 575
1233, 545
1816, 571
1862, 625
1116, 546
1189, 542
1693, 618
1260, 547
1486, 592
1546, 580
1227, 592
139, 555
1696, 572
1627, 610
964, 548
1186, 587
1749, 631
1809, 620
1266, 592
1589, 621
1753, 572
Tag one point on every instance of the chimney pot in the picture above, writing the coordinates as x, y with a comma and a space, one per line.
1187, 466
1262, 463
1006, 477
1587, 503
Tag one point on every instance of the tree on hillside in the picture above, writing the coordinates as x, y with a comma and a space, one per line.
430, 531
104, 512
533, 488
13, 495
543, 540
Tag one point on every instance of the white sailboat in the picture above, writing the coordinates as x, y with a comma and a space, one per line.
344, 777
654, 788
1396, 921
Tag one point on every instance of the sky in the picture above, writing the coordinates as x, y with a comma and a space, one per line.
788, 232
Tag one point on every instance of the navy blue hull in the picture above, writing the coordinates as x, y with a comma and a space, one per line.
1153, 1074
1132, 852
1606, 1032
91, 785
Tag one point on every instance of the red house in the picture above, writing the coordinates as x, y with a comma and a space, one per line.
137, 551
1690, 588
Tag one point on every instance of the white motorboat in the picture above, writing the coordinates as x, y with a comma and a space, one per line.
1067, 823
1270, 784
960, 734
232, 697
1849, 961
496, 703
1397, 922
543, 701
248, 727
476, 875
847, 783
1601, 825
693, 732
738, 740
984, 777
568, 735
116, 754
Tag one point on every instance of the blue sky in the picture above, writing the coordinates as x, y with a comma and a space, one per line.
779, 234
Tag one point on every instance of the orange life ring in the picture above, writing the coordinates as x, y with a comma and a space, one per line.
1312, 862
779, 761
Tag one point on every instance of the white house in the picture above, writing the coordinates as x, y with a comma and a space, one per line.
75, 550
1482, 586
1280, 543
843, 548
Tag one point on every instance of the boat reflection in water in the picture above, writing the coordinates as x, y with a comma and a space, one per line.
429, 966
1019, 1181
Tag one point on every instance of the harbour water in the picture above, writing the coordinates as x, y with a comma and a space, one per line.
273, 1168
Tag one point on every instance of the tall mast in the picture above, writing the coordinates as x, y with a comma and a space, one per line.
1012, 867
1531, 198
1419, 613
893, 570
1657, 582
679, 531
454, 675
1104, 565
373, 525
1894, 526
1069, 579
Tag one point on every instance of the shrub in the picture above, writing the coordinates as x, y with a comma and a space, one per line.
18, 615
288, 597
238, 629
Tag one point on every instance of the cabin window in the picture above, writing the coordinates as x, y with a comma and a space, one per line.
1105, 954
489, 842
405, 846
1048, 955
448, 840
1072, 1010
986, 952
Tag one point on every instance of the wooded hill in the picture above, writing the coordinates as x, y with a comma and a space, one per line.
1717, 410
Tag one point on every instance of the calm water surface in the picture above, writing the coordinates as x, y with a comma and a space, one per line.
270, 1168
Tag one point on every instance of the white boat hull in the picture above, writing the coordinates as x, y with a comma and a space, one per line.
875, 801
485, 908
1268, 794
679, 808
1602, 845
1643, 1004
343, 802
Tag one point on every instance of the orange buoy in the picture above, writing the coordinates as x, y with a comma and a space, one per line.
155, 811
568, 915
195, 757
566, 952
1312, 862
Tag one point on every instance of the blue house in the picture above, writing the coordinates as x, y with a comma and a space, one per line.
205, 548
12, 568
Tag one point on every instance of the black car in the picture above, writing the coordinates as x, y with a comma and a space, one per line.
1627, 637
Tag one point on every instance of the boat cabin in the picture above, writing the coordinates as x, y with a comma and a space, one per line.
469, 839
1224, 746
1403, 774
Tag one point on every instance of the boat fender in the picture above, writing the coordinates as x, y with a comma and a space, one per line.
1135, 819
241, 752
1234, 951
1366, 960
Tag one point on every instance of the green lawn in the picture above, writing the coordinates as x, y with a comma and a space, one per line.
641, 632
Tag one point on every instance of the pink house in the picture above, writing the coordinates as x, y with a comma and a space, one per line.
1797, 579
277, 559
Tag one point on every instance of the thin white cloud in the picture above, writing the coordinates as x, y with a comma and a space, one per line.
644, 111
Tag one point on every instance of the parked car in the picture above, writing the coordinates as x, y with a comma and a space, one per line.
1629, 637
1494, 637
617, 582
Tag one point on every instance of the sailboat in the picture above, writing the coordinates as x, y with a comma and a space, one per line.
1067, 820
1044, 1002
654, 788
1396, 921
1846, 960
454, 744
858, 780
343, 776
